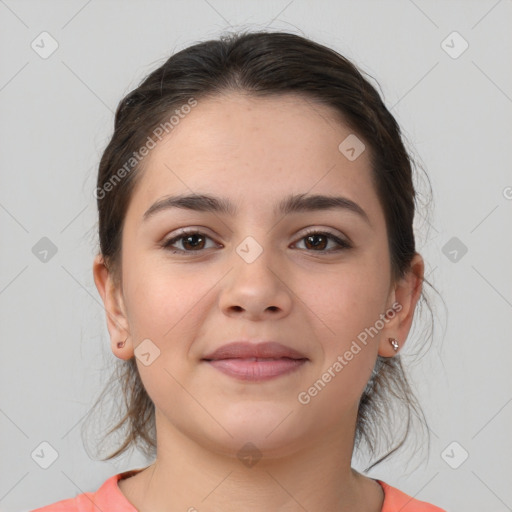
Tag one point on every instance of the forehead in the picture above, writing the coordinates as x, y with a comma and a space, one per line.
255, 150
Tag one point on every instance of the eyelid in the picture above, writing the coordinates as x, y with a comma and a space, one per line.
202, 230
326, 231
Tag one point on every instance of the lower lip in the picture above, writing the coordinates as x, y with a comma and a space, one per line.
245, 369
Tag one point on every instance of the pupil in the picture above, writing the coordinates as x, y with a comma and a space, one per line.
312, 237
191, 237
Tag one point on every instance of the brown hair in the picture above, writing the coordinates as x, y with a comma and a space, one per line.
262, 64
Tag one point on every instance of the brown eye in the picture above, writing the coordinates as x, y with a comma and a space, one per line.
318, 241
191, 241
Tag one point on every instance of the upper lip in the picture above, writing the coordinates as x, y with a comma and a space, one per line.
244, 350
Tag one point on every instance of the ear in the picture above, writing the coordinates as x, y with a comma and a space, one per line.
404, 296
117, 320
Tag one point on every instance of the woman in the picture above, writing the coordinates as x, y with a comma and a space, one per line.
258, 269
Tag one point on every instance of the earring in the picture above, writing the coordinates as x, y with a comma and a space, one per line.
394, 343
120, 344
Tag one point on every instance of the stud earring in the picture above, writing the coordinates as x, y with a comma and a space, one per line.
120, 344
394, 343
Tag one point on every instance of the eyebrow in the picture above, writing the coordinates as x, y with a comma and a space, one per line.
294, 203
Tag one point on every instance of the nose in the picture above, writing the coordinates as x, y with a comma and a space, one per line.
256, 290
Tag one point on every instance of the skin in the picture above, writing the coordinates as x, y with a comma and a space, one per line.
255, 152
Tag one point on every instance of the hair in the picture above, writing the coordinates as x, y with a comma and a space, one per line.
264, 64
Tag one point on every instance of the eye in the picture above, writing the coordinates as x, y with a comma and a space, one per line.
192, 241
319, 240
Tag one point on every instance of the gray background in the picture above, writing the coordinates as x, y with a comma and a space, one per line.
56, 117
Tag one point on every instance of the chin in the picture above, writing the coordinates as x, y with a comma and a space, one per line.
273, 429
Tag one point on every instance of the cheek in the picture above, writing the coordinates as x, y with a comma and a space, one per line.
343, 308
165, 301
347, 300
346, 306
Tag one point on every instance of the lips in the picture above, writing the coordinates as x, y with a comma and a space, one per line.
251, 351
256, 362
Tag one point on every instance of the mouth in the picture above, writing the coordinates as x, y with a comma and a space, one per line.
256, 369
255, 362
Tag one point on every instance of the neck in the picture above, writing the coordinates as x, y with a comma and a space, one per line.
315, 476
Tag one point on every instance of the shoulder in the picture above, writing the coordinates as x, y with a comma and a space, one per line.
107, 496
395, 500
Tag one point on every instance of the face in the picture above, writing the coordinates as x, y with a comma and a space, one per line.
312, 279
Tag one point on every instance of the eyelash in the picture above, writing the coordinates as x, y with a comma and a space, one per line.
343, 245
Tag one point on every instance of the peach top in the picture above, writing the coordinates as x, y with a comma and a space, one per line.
109, 498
